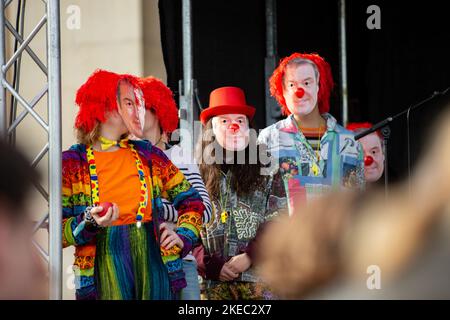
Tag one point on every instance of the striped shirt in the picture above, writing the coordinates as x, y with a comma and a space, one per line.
313, 136
190, 170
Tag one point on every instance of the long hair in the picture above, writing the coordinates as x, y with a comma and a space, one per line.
245, 177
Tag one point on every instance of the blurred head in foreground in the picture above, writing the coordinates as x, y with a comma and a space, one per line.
324, 243
21, 271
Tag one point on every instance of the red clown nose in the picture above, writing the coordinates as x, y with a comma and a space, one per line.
300, 93
234, 127
368, 160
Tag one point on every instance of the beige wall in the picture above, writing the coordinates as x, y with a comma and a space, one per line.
153, 57
117, 35
110, 38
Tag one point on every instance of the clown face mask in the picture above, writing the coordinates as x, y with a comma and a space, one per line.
300, 89
231, 131
131, 107
373, 157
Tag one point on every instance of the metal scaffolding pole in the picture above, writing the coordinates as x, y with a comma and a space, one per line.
187, 84
272, 109
53, 129
55, 185
3, 116
343, 61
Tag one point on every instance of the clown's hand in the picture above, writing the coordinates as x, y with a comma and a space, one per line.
240, 263
169, 237
107, 220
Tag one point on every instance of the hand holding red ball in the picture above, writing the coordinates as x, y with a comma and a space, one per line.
105, 206
105, 214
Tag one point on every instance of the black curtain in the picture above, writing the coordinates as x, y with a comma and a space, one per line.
388, 69
229, 47
396, 67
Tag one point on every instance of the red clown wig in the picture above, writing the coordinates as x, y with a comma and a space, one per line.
326, 82
97, 96
362, 126
159, 98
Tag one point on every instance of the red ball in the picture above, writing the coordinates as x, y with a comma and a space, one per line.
105, 206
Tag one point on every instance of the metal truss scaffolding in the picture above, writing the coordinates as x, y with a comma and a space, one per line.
10, 121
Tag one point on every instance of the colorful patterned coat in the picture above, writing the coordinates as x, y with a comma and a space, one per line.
340, 163
227, 236
168, 182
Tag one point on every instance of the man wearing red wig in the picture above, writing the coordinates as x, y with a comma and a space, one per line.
161, 119
315, 154
112, 190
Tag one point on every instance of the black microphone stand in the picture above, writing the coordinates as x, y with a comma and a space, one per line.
386, 131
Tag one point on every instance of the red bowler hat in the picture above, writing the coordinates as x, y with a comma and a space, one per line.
227, 100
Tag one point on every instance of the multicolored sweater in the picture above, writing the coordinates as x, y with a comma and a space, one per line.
167, 182
305, 175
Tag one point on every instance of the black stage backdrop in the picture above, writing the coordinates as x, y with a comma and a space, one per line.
388, 69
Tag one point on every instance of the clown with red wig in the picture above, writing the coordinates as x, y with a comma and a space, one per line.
314, 153
373, 151
161, 119
112, 198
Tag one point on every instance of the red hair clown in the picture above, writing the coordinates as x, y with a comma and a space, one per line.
326, 82
159, 98
98, 96
373, 150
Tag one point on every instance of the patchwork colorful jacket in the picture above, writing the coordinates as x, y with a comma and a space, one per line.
340, 164
168, 182
226, 236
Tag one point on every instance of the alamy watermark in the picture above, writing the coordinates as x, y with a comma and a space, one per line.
73, 21
374, 280
374, 20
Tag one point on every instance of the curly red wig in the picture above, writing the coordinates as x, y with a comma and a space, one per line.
97, 96
159, 98
326, 82
362, 126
